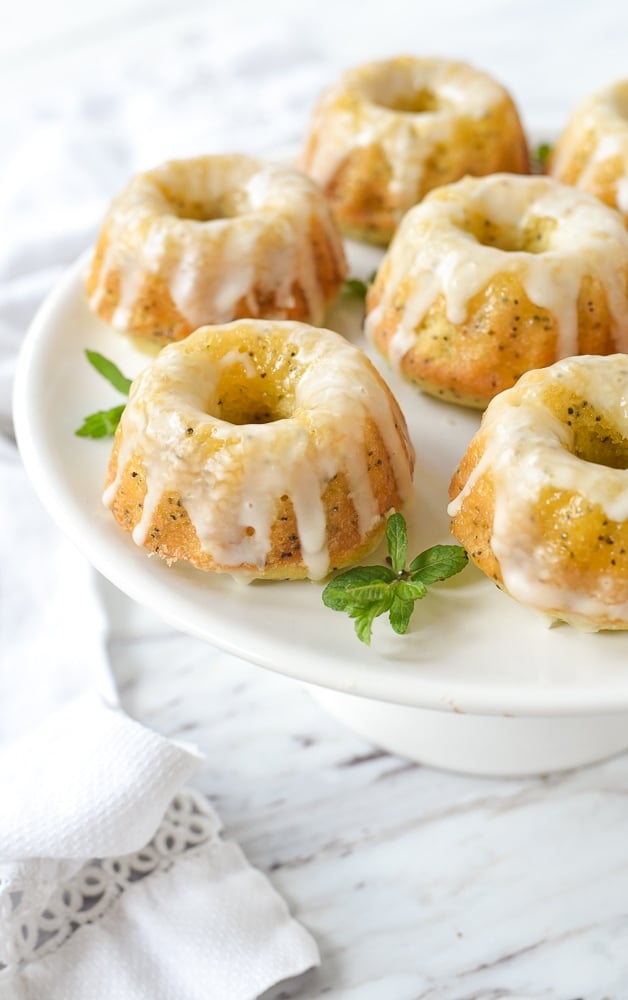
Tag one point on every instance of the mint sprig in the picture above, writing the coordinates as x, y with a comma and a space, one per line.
541, 154
103, 423
357, 288
365, 592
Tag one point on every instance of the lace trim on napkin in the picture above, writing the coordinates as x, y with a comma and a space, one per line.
29, 932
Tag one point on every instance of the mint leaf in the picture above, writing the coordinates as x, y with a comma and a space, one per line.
542, 154
400, 614
363, 618
358, 587
108, 370
397, 541
411, 590
365, 592
363, 627
438, 563
101, 424
355, 287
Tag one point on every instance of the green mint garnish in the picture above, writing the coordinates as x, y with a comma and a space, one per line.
542, 153
108, 370
365, 592
103, 423
357, 288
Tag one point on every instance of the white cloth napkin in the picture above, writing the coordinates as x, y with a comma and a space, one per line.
115, 881
186, 918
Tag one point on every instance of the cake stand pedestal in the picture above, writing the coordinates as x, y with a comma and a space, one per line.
490, 745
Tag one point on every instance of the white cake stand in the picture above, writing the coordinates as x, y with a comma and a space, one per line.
478, 685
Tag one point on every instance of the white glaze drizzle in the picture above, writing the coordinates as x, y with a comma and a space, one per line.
236, 487
407, 139
432, 253
209, 266
527, 450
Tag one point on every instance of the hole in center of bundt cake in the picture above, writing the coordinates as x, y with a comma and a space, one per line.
200, 196
253, 392
594, 438
411, 102
401, 92
198, 210
203, 204
533, 237
600, 443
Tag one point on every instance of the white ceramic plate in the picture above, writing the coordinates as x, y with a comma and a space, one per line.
470, 648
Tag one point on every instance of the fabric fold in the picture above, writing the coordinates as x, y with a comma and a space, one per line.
87, 782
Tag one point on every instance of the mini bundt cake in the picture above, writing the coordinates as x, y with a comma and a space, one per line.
490, 277
213, 239
540, 500
389, 131
261, 449
592, 151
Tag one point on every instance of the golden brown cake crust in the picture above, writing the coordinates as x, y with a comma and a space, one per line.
287, 412
214, 239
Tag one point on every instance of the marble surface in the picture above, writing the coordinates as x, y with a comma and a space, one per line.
417, 885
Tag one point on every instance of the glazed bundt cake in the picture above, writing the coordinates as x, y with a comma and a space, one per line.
261, 449
213, 239
389, 131
540, 499
490, 277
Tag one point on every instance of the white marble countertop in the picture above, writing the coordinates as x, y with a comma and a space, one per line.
415, 883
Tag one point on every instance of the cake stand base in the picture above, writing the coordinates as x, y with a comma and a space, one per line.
491, 745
